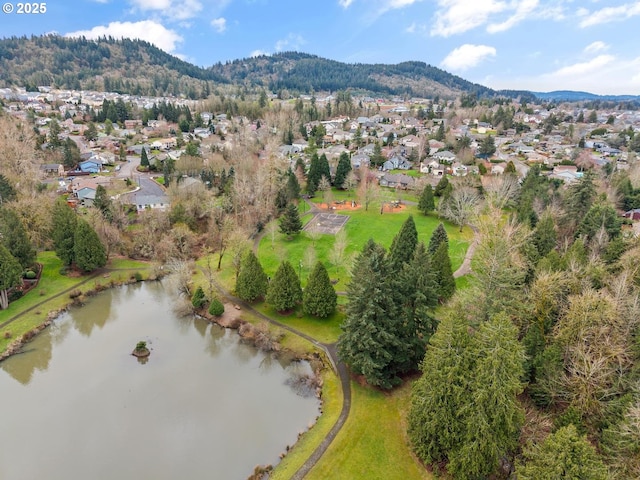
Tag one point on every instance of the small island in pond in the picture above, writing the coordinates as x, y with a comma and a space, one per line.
141, 350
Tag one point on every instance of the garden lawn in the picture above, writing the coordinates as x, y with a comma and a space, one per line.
361, 226
373, 442
325, 330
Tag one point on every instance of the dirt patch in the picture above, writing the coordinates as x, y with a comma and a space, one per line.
340, 206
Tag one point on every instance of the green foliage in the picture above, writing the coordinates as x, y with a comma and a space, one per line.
216, 308
290, 223
417, 295
30, 275
252, 282
442, 187
426, 204
344, 167
600, 215
293, 187
199, 298
562, 455
441, 264
144, 159
403, 245
140, 346
284, 291
370, 344
103, 203
63, 231
10, 275
7, 192
544, 236
14, 237
464, 408
89, 253
319, 297
438, 236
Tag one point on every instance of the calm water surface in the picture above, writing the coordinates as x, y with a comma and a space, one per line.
77, 405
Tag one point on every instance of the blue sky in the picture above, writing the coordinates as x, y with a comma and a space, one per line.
538, 45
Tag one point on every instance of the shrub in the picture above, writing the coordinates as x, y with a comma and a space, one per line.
216, 307
30, 275
137, 276
198, 299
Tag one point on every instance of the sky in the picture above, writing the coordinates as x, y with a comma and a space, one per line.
537, 45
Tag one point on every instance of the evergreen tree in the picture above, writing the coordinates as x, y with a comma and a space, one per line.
88, 251
7, 192
14, 237
426, 204
369, 343
91, 133
323, 168
63, 231
403, 245
417, 292
564, 454
580, 197
284, 291
319, 297
199, 298
290, 223
600, 215
10, 275
314, 175
103, 203
464, 408
144, 159
252, 282
442, 187
377, 159
441, 264
293, 187
344, 167
487, 146
438, 236
440, 133
544, 236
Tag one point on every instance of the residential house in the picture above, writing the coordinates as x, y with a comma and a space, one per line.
632, 214
151, 202
445, 156
498, 168
398, 180
86, 196
459, 170
397, 162
360, 160
90, 166
52, 169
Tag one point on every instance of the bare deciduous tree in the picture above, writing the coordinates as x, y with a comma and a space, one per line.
461, 206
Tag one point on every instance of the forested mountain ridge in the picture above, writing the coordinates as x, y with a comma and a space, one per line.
139, 68
306, 73
119, 65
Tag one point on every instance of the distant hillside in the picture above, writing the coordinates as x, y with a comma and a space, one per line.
123, 65
305, 73
574, 96
137, 67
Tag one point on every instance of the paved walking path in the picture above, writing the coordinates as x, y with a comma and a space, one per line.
338, 367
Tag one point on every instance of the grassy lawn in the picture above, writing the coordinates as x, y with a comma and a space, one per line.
325, 330
53, 283
361, 226
372, 444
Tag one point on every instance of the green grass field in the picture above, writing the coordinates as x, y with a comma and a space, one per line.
362, 225
373, 443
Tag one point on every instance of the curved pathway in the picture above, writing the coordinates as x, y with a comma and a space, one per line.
337, 366
465, 268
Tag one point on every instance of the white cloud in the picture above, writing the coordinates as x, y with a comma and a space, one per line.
416, 28
458, 16
604, 75
148, 30
596, 47
610, 14
345, 3
257, 53
467, 56
523, 11
219, 24
293, 41
583, 68
173, 9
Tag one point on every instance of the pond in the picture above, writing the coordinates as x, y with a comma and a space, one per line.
77, 404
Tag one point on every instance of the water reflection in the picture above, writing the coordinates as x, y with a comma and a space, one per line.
78, 389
